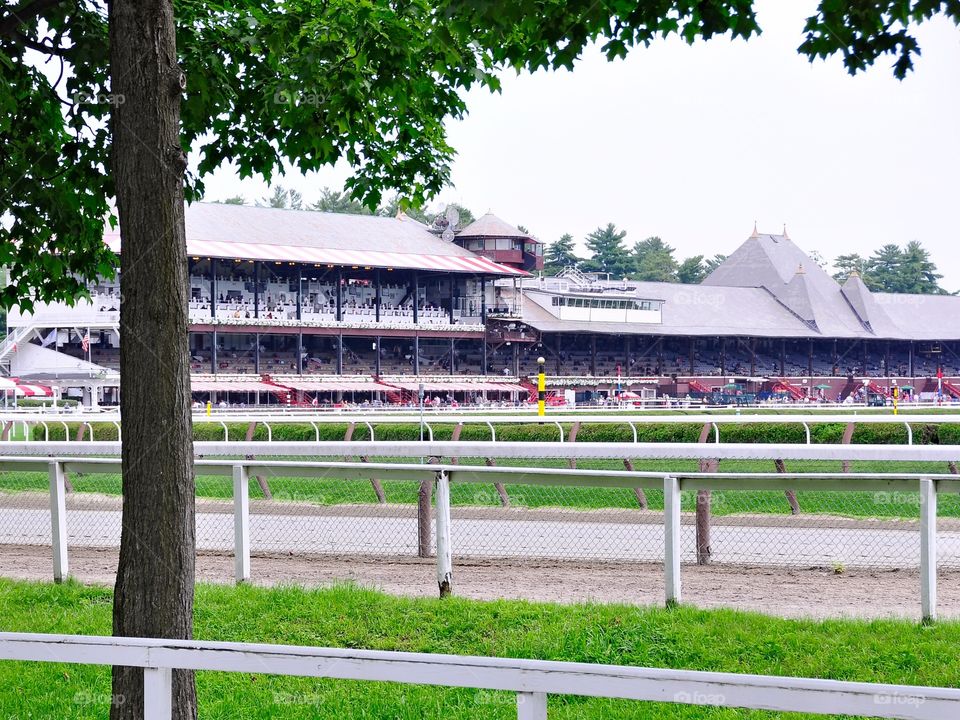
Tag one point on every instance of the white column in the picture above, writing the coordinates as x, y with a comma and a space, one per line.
241, 523
531, 706
58, 521
444, 551
671, 532
928, 549
157, 694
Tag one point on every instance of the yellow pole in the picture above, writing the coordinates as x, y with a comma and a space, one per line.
209, 405
896, 396
541, 388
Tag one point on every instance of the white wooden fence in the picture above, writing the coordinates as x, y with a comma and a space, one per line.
442, 475
532, 680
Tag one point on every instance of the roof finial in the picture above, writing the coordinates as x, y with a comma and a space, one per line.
785, 231
755, 233
854, 273
800, 270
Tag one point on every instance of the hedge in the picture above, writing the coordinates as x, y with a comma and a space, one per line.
892, 434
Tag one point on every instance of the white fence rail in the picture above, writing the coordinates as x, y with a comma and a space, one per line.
562, 423
441, 476
532, 680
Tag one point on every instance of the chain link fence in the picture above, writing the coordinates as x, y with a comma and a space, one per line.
380, 518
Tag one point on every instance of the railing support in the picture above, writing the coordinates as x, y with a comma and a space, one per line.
671, 539
157, 693
444, 550
531, 706
58, 521
928, 549
241, 523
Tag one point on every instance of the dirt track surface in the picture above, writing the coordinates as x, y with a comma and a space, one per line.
814, 593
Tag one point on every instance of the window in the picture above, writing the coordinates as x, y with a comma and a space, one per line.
505, 244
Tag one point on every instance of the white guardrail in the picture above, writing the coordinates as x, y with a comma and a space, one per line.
531, 680
563, 423
440, 476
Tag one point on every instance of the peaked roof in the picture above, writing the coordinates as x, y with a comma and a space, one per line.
490, 225
775, 263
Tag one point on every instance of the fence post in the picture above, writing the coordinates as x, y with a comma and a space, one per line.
444, 551
531, 706
671, 539
241, 523
928, 549
157, 693
58, 521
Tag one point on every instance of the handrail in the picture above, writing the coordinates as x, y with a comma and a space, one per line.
531, 680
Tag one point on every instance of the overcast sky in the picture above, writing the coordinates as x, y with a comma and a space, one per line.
696, 143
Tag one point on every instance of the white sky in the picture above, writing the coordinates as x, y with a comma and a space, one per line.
695, 143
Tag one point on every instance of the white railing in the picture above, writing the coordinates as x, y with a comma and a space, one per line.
532, 680
563, 423
443, 475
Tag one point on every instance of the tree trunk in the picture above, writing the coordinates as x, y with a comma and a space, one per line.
154, 591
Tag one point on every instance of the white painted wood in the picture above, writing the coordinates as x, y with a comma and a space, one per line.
671, 536
58, 522
928, 550
786, 694
241, 523
157, 693
531, 706
444, 547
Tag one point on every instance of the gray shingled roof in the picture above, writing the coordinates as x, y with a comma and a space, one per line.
770, 288
335, 231
490, 225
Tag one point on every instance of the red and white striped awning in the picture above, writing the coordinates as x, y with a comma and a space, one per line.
232, 385
31, 390
344, 258
333, 385
453, 386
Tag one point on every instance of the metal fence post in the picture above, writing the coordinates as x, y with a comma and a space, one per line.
157, 693
928, 549
58, 521
531, 706
241, 523
671, 539
444, 552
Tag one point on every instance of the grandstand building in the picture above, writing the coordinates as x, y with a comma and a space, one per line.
307, 307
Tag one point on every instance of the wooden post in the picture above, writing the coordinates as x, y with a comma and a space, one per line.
241, 523
845, 440
157, 693
444, 551
928, 550
573, 438
638, 493
501, 490
791, 494
58, 522
531, 706
671, 537
703, 504
261, 481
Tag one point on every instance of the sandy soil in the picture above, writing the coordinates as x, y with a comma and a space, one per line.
816, 593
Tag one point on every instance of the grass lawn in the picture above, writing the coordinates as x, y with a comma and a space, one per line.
333, 491
875, 651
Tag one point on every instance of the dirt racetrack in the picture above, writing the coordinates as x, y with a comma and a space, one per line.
816, 593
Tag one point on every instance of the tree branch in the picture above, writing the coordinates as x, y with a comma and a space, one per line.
18, 16
40, 46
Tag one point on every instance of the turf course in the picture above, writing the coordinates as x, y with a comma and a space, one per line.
877, 651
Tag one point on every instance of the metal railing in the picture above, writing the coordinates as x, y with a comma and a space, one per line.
564, 424
440, 477
532, 680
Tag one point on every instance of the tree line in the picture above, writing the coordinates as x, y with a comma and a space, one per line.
651, 259
893, 269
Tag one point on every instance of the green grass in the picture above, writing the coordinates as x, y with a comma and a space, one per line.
333, 491
728, 641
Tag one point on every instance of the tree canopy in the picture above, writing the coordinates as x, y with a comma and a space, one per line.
560, 254
308, 83
893, 269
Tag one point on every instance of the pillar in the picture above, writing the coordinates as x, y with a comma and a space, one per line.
593, 355
256, 355
256, 294
810, 357
416, 299
452, 368
377, 356
377, 299
416, 354
451, 298
213, 287
340, 354
339, 294
783, 358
